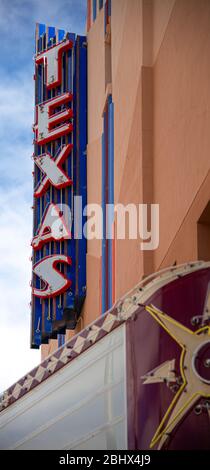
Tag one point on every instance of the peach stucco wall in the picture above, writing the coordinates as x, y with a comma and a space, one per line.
96, 97
160, 71
126, 93
181, 119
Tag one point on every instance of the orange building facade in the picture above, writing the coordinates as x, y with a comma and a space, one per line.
151, 58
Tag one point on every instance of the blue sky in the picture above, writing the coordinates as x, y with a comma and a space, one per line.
17, 27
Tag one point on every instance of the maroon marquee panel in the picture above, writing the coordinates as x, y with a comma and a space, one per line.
168, 367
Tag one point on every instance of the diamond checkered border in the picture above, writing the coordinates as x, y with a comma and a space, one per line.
64, 355
126, 308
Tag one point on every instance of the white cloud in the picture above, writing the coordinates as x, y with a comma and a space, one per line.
16, 105
65, 14
17, 358
16, 116
17, 27
15, 274
16, 111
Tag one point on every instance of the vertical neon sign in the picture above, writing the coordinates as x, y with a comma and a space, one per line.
60, 138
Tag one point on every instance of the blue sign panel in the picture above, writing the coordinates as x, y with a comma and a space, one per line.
60, 139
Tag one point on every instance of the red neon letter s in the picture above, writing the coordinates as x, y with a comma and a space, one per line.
55, 282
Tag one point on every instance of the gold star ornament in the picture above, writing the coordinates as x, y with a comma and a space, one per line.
194, 370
